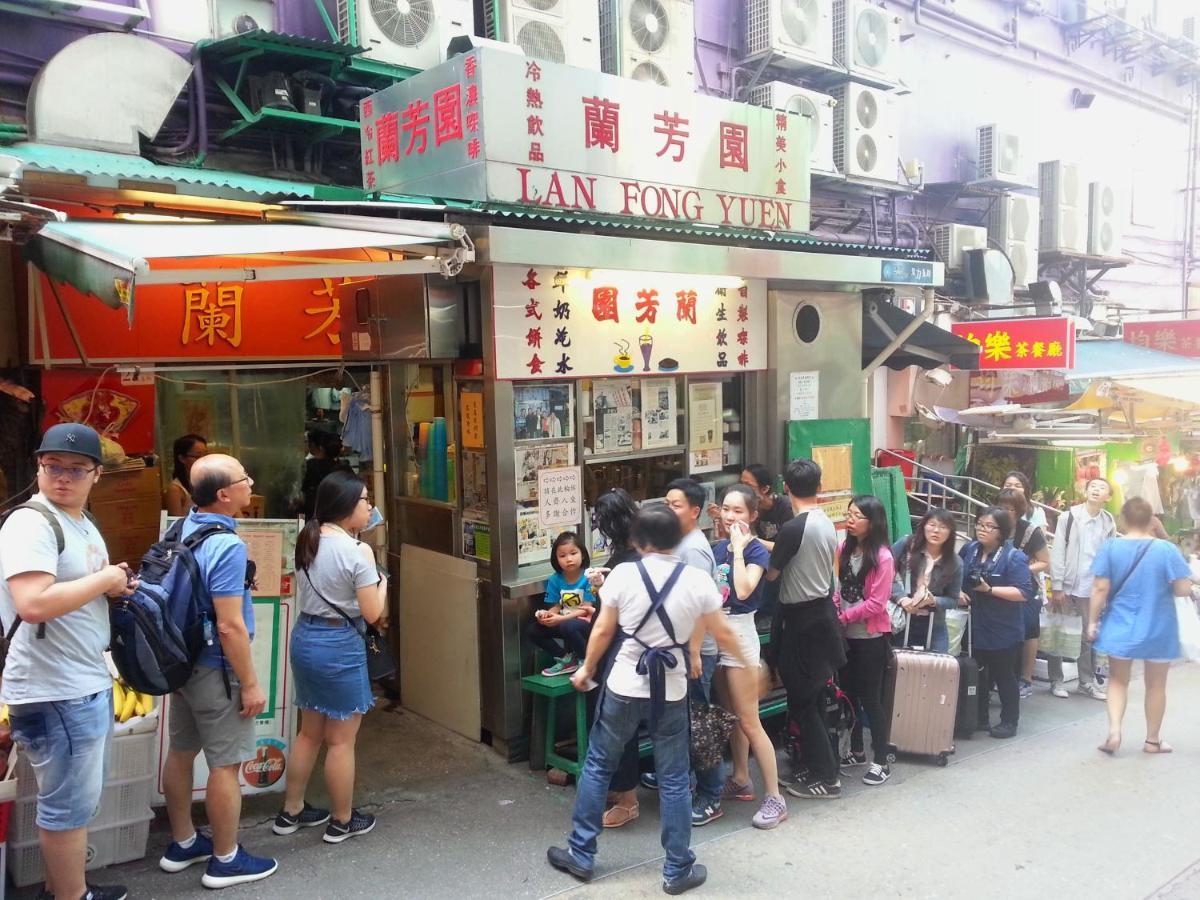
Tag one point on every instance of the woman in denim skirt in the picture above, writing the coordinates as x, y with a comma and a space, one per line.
339, 587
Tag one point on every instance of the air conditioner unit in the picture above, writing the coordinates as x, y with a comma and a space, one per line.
203, 20
949, 242
410, 33
649, 40
820, 109
1104, 220
561, 31
1013, 226
1064, 207
864, 133
790, 31
999, 156
866, 41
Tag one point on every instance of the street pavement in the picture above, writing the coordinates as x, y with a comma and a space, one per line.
1041, 816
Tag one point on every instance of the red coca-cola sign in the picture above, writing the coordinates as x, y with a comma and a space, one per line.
267, 766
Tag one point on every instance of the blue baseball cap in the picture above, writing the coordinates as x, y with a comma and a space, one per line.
71, 437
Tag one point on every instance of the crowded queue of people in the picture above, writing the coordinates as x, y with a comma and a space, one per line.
668, 624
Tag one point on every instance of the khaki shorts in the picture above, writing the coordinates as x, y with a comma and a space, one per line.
202, 717
747, 635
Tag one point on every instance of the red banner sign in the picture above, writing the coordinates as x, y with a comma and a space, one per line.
1178, 336
1022, 343
252, 321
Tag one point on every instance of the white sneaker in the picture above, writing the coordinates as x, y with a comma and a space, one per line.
1094, 691
1058, 690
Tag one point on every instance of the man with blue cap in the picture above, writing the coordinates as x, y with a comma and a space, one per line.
55, 586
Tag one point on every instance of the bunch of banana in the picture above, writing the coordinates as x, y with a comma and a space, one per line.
128, 703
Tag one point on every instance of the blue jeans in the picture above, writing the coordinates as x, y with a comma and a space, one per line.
708, 781
66, 743
617, 722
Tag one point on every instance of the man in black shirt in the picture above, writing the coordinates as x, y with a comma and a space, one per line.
774, 510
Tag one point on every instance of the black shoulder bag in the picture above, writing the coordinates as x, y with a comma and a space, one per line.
380, 661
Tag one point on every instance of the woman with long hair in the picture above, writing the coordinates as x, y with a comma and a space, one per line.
866, 571
930, 578
1030, 539
339, 588
184, 451
996, 584
1137, 578
1019, 481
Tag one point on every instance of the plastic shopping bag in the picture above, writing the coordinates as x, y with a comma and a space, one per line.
1062, 635
956, 627
1189, 628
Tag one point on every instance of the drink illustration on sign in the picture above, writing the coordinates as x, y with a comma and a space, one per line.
646, 342
623, 362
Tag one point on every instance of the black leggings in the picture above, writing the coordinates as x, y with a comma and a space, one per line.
1001, 671
573, 633
862, 679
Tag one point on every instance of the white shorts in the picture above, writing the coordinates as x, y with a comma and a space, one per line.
747, 637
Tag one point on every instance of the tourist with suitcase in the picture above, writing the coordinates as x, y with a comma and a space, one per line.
996, 584
928, 579
865, 575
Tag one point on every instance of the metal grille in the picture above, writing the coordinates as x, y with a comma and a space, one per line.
343, 23
491, 27
758, 26
986, 139
1049, 195
762, 95
841, 13
841, 116
610, 21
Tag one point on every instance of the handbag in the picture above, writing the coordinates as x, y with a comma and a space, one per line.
1061, 635
381, 663
1189, 628
711, 727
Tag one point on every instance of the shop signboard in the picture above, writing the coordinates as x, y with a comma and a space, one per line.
497, 126
1022, 343
554, 322
1178, 336
208, 321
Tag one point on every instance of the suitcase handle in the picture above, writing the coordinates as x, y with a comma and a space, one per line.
928, 637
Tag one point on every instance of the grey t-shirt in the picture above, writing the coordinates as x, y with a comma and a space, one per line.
695, 550
338, 571
69, 662
803, 554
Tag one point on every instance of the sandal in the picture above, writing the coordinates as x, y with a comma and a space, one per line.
1159, 747
616, 816
1110, 746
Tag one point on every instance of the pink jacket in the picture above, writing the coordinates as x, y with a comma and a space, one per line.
876, 593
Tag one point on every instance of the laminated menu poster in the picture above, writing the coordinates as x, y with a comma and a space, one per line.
660, 417
705, 434
477, 540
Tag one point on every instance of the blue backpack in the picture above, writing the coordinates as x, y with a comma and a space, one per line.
159, 631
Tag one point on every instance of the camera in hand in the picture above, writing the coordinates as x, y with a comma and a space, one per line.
973, 579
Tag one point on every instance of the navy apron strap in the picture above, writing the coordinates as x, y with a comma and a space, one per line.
654, 661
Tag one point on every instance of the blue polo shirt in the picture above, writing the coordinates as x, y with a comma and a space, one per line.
222, 562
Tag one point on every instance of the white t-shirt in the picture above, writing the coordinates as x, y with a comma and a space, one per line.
693, 595
69, 662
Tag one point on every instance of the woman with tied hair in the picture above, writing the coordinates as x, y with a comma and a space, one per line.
185, 451
339, 588
1137, 578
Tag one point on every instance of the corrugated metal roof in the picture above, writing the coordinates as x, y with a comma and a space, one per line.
1117, 359
624, 223
111, 169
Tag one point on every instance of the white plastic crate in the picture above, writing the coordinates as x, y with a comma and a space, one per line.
130, 757
125, 801
105, 847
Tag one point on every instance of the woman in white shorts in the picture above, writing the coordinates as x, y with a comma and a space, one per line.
742, 561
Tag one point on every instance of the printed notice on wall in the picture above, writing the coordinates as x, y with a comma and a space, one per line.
560, 496
266, 549
470, 405
705, 437
805, 388
659, 416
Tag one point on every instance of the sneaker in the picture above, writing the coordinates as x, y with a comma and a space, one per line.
309, 817
103, 892
704, 812
734, 791
1026, 689
771, 813
564, 666
692, 879
242, 869
1094, 691
1004, 730
816, 790
877, 774
851, 760
649, 781
564, 860
176, 859
359, 824
1058, 690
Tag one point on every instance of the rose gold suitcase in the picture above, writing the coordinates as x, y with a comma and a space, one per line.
924, 702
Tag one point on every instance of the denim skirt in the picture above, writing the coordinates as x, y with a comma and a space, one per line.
330, 668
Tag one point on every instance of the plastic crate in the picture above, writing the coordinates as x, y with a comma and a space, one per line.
124, 801
105, 847
130, 757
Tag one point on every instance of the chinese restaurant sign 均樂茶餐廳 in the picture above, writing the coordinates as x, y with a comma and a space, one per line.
1021, 343
501, 127
579, 323
1178, 336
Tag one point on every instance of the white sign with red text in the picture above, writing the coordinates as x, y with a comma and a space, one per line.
552, 322
501, 127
